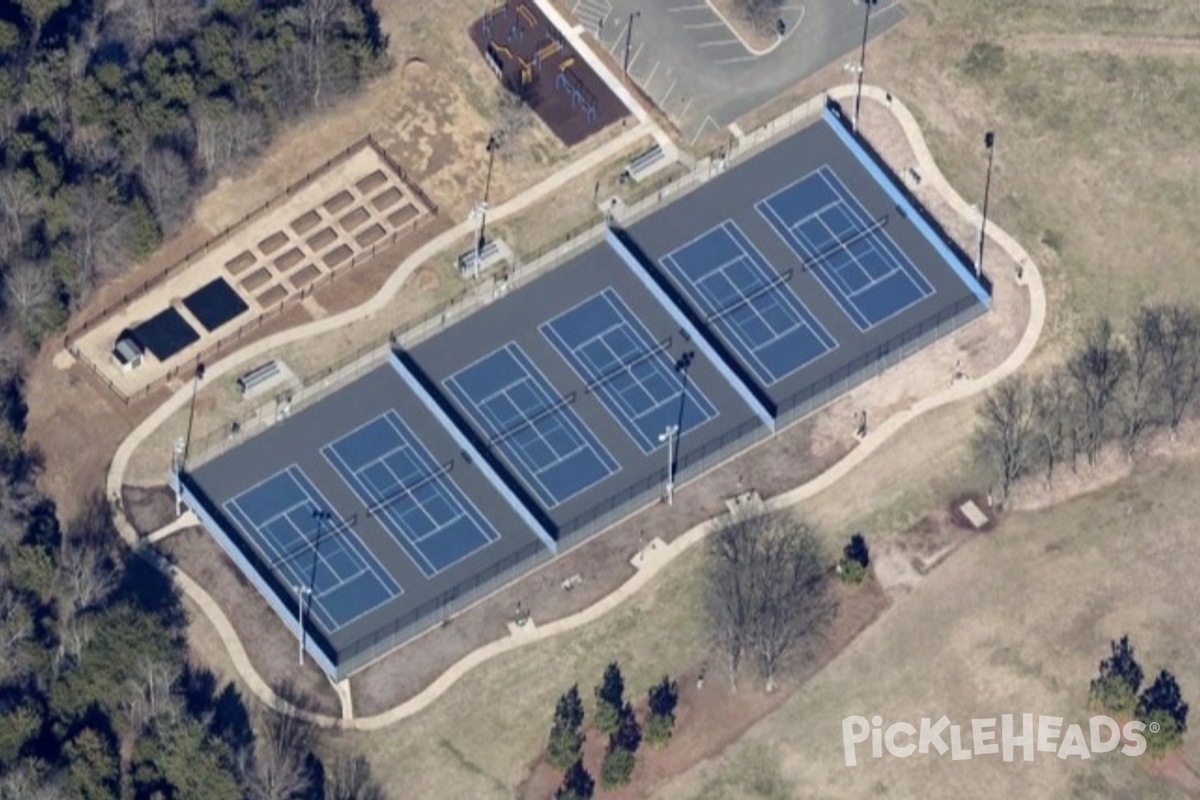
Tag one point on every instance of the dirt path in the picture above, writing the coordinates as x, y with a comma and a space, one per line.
657, 555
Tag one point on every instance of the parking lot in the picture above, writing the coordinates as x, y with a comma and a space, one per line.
697, 70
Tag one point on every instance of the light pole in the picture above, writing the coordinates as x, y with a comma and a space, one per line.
302, 591
482, 208
989, 141
628, 40
187, 441
668, 436
862, 59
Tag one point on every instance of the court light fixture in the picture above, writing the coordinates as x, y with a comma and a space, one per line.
668, 436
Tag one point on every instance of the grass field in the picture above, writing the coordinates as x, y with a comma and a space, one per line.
1098, 154
1015, 622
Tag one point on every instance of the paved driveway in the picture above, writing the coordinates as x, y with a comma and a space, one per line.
696, 69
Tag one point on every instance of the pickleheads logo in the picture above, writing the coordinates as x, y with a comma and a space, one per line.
1028, 734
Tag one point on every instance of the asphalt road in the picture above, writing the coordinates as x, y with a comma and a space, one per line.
696, 69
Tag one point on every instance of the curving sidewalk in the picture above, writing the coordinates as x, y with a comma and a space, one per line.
657, 555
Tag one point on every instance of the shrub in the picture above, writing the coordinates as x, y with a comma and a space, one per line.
851, 571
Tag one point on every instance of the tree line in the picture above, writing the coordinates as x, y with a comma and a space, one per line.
1116, 386
115, 115
98, 698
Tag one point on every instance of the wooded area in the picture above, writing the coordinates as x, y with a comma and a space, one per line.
97, 696
115, 114
1115, 386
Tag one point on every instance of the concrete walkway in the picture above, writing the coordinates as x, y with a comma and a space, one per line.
648, 564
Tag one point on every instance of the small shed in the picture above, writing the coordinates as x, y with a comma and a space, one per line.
127, 351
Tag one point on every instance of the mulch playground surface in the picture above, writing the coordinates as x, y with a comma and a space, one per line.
533, 59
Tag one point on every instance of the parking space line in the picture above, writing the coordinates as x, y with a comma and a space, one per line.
670, 89
686, 106
677, 9
736, 59
720, 43
650, 77
700, 25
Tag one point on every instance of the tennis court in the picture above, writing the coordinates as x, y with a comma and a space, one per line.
637, 381
536, 430
751, 305
851, 254
414, 498
297, 532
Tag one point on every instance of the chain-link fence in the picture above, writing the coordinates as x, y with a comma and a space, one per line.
691, 463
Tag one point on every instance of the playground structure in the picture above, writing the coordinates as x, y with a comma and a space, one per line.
532, 59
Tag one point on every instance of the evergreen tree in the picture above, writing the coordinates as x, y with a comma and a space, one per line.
610, 698
1120, 678
566, 734
577, 784
660, 721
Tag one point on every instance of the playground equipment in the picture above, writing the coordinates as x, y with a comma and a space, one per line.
581, 98
546, 49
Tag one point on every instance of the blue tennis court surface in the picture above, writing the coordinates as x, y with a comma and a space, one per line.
852, 256
639, 384
414, 498
516, 407
748, 302
297, 532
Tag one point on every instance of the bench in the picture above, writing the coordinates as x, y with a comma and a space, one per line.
642, 162
466, 261
257, 377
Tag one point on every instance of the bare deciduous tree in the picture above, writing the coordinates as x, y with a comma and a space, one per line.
1004, 440
18, 205
350, 779
730, 592
768, 589
143, 23
1174, 333
279, 771
1052, 415
225, 136
151, 697
1097, 369
166, 178
16, 628
98, 235
317, 17
795, 604
1137, 397
88, 561
28, 288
